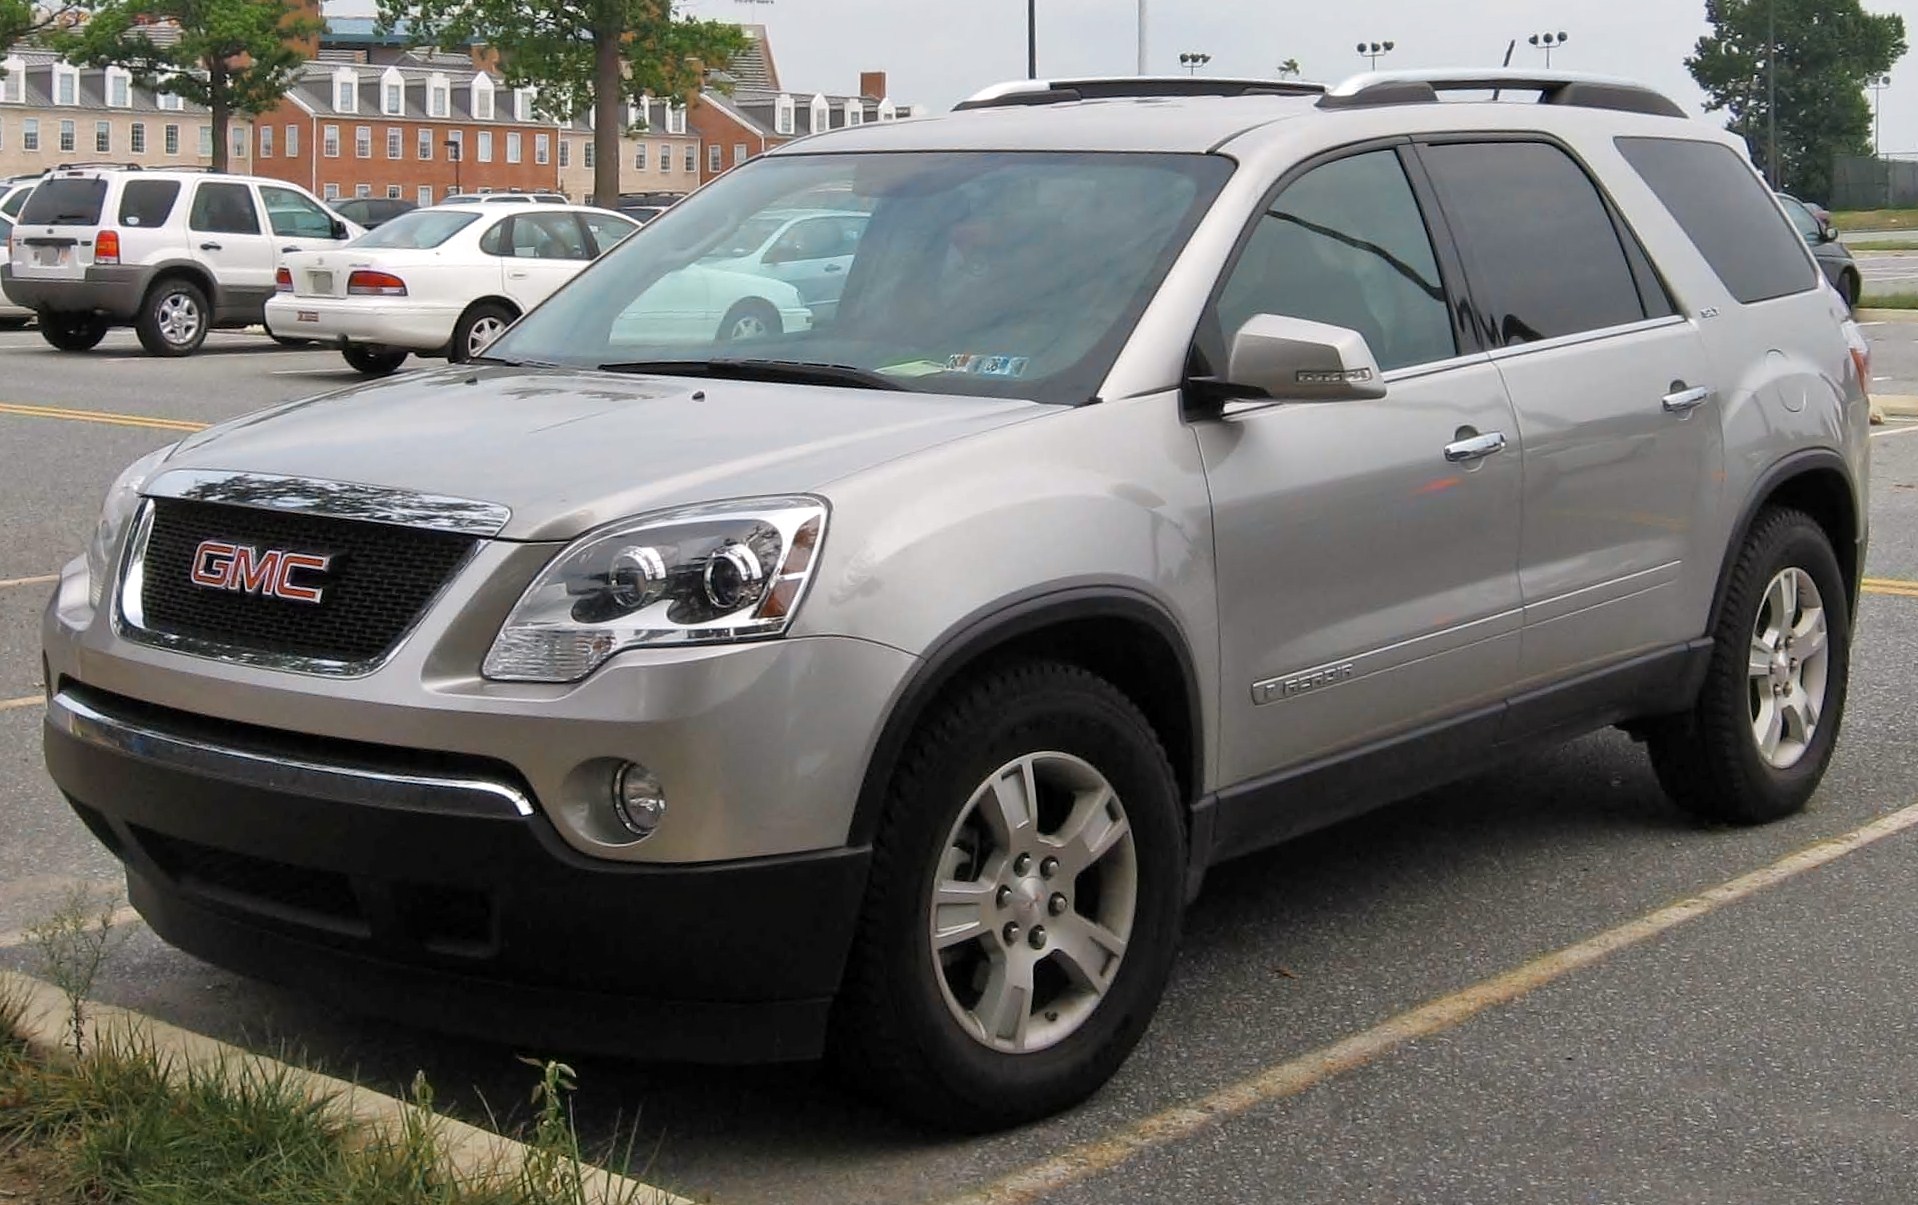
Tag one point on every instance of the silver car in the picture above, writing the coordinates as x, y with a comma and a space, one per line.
1188, 464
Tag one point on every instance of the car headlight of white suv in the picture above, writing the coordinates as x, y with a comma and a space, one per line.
708, 574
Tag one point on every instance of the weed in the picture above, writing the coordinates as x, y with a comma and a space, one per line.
71, 945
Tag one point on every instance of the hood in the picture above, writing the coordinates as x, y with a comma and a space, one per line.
569, 450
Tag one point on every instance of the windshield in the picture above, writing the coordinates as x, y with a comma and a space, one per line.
417, 230
1802, 218
1004, 274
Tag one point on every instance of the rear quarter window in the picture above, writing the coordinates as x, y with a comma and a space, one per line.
148, 203
66, 201
1727, 213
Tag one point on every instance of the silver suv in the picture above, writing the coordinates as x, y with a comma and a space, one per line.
1186, 465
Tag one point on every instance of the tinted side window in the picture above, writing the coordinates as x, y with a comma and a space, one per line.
1345, 244
1543, 254
147, 202
1727, 213
65, 202
224, 209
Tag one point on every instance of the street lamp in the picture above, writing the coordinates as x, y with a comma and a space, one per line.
1193, 60
1549, 42
1032, 39
1878, 84
453, 153
1375, 51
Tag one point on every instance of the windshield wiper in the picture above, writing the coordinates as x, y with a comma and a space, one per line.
784, 371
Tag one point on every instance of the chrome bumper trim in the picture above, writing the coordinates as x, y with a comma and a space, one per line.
272, 772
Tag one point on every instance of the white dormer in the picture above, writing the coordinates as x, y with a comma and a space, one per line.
346, 90
888, 111
675, 118
66, 84
522, 104
119, 88
392, 92
438, 93
639, 116
482, 97
783, 115
821, 115
855, 112
169, 102
13, 81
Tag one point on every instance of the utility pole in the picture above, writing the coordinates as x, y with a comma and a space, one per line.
1141, 37
1771, 98
1032, 39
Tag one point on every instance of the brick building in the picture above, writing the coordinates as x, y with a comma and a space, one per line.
52, 113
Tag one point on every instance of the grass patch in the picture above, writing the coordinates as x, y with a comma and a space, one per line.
1876, 219
1889, 301
1880, 244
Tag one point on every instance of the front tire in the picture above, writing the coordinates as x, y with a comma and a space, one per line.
173, 319
1028, 881
374, 361
73, 332
1755, 745
1851, 289
750, 319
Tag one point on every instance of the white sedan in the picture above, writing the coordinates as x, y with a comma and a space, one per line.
443, 281
11, 315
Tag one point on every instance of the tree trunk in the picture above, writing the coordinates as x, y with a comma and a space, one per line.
218, 106
609, 115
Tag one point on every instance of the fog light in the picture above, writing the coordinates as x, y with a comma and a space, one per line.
638, 799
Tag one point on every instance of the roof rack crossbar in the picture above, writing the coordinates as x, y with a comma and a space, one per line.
1062, 91
1575, 88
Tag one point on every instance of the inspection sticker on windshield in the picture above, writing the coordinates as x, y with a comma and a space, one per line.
989, 366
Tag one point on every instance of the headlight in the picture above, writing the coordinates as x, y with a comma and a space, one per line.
698, 575
123, 501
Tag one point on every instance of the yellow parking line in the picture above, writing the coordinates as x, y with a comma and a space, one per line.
22, 701
101, 416
42, 580
1296, 1076
1895, 591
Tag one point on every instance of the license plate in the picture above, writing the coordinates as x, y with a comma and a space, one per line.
49, 257
307, 316
322, 281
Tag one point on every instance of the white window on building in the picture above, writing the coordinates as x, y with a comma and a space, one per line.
66, 136
392, 92
363, 142
137, 137
855, 112
392, 192
692, 157
266, 142
639, 157
119, 88
482, 97
451, 189
330, 192
395, 143
783, 116
512, 146
565, 153
292, 142
821, 115
739, 153
715, 158
665, 158
483, 146
103, 137
675, 119
13, 80
170, 141
456, 146
438, 94
888, 111
66, 84
362, 190
522, 104
238, 142
346, 90
30, 134
592, 149
330, 141
425, 149
424, 196
169, 102
543, 149
206, 142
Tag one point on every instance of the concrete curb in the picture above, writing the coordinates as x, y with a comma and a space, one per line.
1867, 314
1895, 405
473, 1155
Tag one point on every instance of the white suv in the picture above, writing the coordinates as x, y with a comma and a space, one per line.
172, 254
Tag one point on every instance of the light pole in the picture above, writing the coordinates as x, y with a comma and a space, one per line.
1878, 84
453, 153
1771, 94
1549, 42
1193, 60
1375, 51
1032, 39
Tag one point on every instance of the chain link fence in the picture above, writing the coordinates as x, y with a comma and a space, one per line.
1875, 182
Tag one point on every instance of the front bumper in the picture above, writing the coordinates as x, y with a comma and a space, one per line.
430, 890
414, 326
114, 290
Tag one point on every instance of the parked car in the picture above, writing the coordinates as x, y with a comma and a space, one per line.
1190, 464
372, 212
12, 316
441, 281
507, 198
809, 250
14, 194
172, 254
1834, 258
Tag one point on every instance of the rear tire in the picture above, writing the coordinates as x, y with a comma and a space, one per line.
1850, 289
73, 332
987, 1023
374, 361
174, 318
476, 330
1755, 745
750, 319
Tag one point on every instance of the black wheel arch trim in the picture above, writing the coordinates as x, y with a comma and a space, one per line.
996, 625
1797, 464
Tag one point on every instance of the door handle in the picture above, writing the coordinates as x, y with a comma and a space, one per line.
288, 250
516, 276
1684, 401
835, 268
1477, 447
209, 246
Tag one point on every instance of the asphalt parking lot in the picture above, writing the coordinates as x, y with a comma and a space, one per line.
1756, 1049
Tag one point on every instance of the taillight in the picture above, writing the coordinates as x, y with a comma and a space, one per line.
106, 247
283, 280
364, 283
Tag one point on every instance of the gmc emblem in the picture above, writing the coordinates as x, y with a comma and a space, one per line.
218, 565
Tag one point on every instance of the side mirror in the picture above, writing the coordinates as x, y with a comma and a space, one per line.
1293, 360
1828, 234
339, 229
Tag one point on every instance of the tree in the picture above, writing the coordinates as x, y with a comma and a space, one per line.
582, 55
1825, 51
21, 20
232, 56
1289, 69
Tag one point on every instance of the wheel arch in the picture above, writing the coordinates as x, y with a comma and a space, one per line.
493, 299
1120, 634
1818, 482
183, 269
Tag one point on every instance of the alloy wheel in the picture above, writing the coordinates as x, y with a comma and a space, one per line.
1789, 660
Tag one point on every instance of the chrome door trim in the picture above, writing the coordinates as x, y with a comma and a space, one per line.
1610, 332
333, 499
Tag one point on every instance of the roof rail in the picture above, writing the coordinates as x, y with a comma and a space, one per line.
1576, 88
1062, 91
